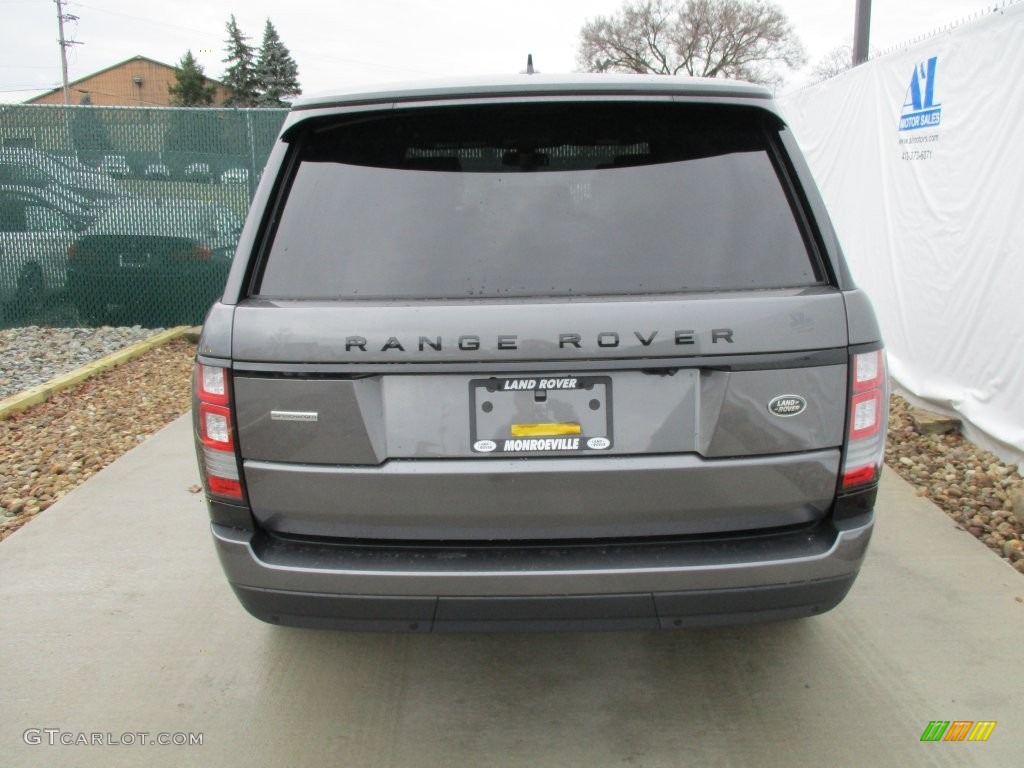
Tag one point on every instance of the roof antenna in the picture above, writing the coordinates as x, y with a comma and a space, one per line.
529, 64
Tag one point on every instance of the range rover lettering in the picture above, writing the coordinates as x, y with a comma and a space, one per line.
536, 353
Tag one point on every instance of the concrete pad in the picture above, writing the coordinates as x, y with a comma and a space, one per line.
116, 620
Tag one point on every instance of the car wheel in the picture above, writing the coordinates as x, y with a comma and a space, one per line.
91, 311
31, 287
8, 313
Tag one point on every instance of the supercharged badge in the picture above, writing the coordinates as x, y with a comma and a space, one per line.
787, 405
294, 416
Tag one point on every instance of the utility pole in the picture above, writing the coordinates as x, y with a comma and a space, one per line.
61, 18
861, 32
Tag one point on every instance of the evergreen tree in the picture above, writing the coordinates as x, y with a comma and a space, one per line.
276, 71
240, 75
191, 88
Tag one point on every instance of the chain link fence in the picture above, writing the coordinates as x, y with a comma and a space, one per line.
123, 215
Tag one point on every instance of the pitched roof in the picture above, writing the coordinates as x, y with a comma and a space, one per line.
91, 75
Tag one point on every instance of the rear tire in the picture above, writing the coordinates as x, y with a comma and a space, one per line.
29, 298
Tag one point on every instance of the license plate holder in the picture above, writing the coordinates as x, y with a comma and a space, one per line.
540, 415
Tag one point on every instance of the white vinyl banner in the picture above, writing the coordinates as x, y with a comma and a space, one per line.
920, 157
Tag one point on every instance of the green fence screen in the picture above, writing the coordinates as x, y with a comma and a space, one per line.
123, 215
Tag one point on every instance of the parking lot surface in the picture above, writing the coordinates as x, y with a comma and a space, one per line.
115, 621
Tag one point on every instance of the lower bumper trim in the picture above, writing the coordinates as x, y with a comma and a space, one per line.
665, 610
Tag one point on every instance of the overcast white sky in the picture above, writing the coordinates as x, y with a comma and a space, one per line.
345, 43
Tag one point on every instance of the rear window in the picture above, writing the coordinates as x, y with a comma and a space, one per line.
535, 200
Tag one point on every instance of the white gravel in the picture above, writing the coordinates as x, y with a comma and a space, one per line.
34, 355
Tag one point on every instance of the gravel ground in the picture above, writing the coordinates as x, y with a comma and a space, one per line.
34, 355
982, 494
53, 447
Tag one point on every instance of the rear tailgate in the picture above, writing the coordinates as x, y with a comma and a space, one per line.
543, 419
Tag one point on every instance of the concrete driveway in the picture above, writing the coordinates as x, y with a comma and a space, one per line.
116, 621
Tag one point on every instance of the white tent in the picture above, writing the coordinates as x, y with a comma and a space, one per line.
920, 158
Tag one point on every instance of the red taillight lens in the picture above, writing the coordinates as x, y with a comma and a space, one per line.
187, 254
225, 487
212, 384
868, 370
861, 476
215, 427
868, 420
216, 433
865, 415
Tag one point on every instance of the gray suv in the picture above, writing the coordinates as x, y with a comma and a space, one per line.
539, 353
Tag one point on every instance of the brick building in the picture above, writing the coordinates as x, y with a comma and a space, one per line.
135, 82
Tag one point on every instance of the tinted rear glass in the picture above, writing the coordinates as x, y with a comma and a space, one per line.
535, 200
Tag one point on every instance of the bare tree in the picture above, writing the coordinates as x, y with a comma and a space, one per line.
833, 63
742, 39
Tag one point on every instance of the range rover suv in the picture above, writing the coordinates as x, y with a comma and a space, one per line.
539, 353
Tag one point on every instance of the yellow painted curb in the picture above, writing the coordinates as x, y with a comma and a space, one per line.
42, 392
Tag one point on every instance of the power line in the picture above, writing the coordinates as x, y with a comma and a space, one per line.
204, 32
122, 96
29, 88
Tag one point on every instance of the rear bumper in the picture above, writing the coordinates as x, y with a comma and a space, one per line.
608, 497
726, 580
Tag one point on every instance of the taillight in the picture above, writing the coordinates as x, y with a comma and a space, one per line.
216, 434
868, 370
215, 427
197, 252
212, 384
867, 421
81, 252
